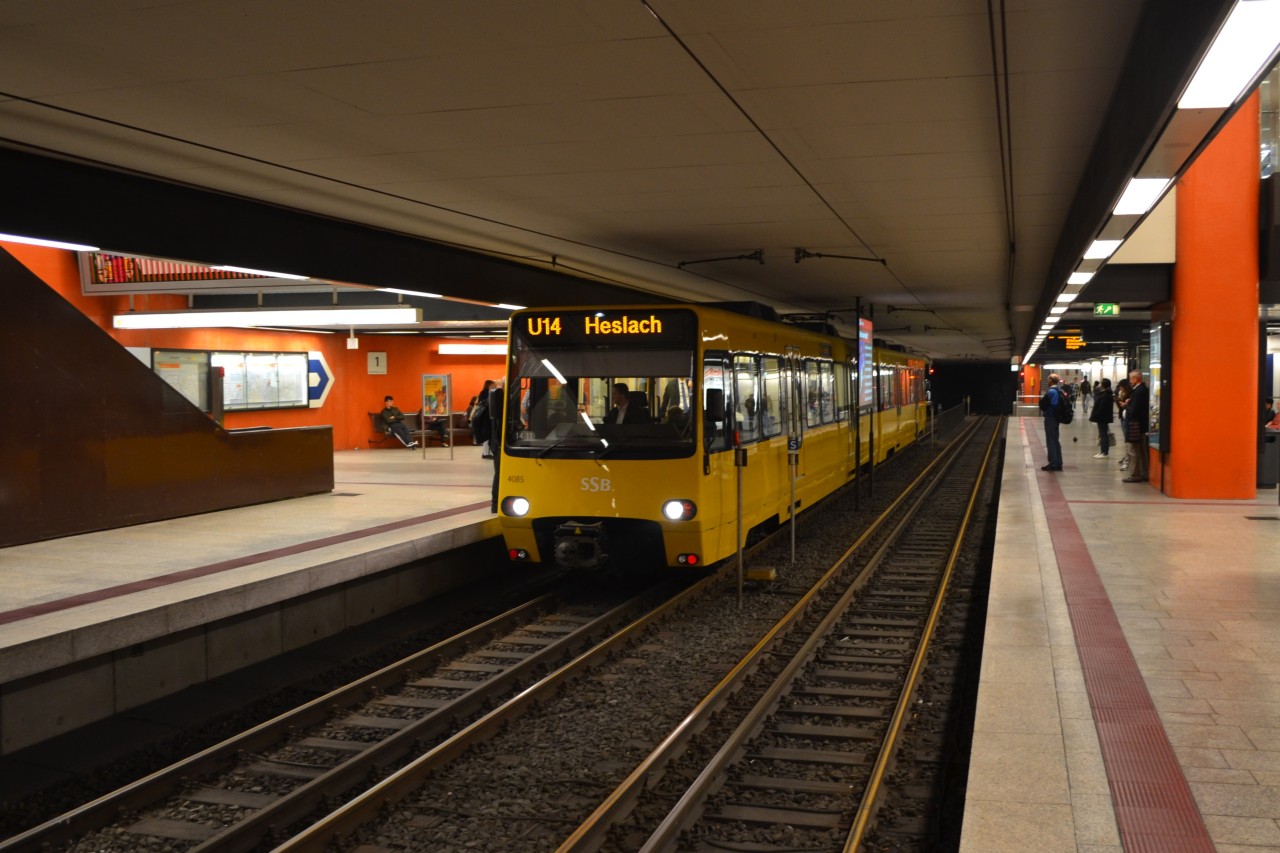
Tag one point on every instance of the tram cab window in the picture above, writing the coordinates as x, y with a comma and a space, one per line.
559, 396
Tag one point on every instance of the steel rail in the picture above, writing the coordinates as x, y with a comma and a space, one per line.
404, 781
590, 833
871, 797
220, 756
304, 800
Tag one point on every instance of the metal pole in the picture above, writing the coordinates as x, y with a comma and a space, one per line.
793, 460
739, 461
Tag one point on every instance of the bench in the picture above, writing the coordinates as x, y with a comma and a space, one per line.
428, 437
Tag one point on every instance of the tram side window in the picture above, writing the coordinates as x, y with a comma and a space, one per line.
715, 376
884, 380
746, 411
813, 393
842, 391
826, 386
771, 412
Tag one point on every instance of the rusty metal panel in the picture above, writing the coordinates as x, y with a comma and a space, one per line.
90, 439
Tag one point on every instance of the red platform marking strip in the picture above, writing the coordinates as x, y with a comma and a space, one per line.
1155, 810
69, 602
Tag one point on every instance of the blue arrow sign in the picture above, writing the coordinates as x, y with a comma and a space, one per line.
319, 379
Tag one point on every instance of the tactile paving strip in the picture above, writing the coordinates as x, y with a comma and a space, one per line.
1155, 810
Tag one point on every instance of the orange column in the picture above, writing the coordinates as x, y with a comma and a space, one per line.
1212, 448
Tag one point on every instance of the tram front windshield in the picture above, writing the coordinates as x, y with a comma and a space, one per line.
631, 398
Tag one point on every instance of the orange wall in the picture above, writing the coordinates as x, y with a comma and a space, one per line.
355, 393
1213, 436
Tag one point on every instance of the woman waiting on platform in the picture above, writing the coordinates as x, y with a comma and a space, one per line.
1103, 410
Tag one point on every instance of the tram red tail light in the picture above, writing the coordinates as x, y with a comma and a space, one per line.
518, 554
688, 559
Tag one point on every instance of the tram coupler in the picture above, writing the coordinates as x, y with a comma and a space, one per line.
581, 546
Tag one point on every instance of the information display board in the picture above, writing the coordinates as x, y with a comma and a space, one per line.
261, 380
187, 372
1158, 383
866, 393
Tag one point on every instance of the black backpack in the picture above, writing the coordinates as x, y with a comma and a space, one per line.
1065, 410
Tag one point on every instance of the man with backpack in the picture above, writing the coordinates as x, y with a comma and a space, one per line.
1053, 405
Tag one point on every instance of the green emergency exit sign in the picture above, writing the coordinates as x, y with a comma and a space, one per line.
1106, 309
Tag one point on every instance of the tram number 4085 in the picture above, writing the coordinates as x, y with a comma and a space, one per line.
597, 484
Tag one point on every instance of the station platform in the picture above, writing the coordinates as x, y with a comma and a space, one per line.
119, 617
1130, 687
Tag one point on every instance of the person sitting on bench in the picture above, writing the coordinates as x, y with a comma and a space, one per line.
393, 418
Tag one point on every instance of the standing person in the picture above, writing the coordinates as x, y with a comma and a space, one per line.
1053, 397
481, 424
1268, 410
679, 394
1122, 406
495, 436
394, 420
1086, 395
1137, 413
1103, 409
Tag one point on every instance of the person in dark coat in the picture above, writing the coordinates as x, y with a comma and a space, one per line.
1053, 396
1137, 413
1103, 411
495, 408
624, 410
393, 420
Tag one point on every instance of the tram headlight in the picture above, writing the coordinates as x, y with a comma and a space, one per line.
515, 506
682, 510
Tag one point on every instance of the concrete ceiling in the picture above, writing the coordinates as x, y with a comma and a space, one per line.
621, 142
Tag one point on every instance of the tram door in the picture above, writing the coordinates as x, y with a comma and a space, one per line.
717, 446
793, 387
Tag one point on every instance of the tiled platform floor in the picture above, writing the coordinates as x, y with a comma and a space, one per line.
68, 599
1195, 589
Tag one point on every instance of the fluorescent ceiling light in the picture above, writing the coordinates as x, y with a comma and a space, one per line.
1099, 249
1058, 309
1140, 196
510, 307
473, 349
1079, 278
1067, 296
263, 273
52, 244
1241, 49
411, 292
398, 316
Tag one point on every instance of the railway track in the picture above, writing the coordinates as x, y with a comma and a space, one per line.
323, 773
240, 793
799, 752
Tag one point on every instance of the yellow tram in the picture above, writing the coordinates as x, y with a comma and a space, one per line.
620, 427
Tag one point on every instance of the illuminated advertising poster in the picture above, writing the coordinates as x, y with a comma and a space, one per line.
435, 395
866, 395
